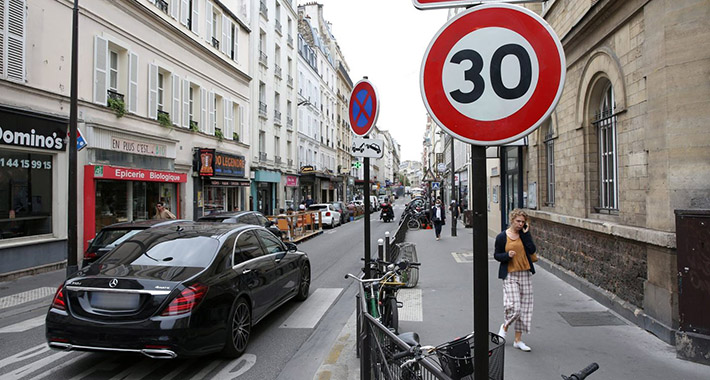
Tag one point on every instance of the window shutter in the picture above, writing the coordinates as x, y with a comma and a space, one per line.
175, 111
226, 44
227, 105
185, 103
213, 113
152, 91
184, 9
203, 111
174, 5
208, 22
2, 40
100, 70
132, 82
15, 50
244, 121
236, 43
195, 16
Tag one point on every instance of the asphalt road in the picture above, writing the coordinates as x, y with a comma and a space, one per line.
289, 344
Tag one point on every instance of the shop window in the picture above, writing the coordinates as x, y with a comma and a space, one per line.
25, 194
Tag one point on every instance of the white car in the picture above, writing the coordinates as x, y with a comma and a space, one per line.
331, 217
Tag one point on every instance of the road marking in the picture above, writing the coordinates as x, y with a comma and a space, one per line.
331, 232
207, 369
177, 371
24, 325
28, 296
236, 367
33, 367
412, 309
136, 372
26, 354
66, 363
307, 315
463, 257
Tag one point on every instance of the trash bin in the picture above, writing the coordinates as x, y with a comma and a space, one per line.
408, 251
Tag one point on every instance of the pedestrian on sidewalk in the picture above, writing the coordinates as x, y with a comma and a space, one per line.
162, 212
455, 211
438, 217
515, 250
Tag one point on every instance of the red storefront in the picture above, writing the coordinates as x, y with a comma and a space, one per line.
115, 194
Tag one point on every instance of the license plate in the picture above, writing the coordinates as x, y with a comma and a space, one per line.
114, 301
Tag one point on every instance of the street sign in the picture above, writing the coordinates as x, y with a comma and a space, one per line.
441, 167
435, 186
362, 147
363, 108
492, 74
434, 4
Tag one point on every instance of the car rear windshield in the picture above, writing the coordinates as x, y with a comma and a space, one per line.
317, 207
113, 237
213, 218
168, 250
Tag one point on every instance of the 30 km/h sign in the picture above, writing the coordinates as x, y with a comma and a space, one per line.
364, 107
493, 74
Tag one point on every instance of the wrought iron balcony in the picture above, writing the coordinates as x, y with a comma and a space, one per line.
278, 26
262, 109
277, 159
114, 95
290, 40
277, 117
162, 5
263, 58
262, 156
289, 81
290, 162
289, 122
215, 43
277, 71
263, 9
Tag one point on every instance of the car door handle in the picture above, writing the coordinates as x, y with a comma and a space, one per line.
246, 271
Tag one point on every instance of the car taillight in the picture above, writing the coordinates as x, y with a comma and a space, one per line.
327, 213
188, 299
58, 302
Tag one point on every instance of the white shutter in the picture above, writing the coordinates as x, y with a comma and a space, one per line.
175, 111
152, 91
100, 70
132, 82
208, 22
195, 16
226, 43
2, 40
213, 113
174, 5
227, 118
184, 11
204, 121
185, 103
244, 120
15, 49
236, 43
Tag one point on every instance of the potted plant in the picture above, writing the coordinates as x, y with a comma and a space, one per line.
219, 134
235, 136
118, 106
193, 126
164, 119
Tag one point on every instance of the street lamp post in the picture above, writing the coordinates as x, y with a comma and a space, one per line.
72, 249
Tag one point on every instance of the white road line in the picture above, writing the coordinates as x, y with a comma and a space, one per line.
26, 354
236, 367
331, 232
66, 363
307, 315
136, 372
28, 296
203, 373
33, 367
412, 309
24, 325
177, 371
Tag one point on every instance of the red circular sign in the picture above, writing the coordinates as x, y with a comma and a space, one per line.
493, 74
364, 107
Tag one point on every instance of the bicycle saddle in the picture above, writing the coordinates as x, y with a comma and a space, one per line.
411, 338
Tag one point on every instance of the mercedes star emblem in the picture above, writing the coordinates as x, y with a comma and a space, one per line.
113, 283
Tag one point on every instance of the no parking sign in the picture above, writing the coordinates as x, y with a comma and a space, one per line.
363, 108
493, 74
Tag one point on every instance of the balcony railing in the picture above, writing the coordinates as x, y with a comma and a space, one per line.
277, 117
277, 71
278, 26
114, 95
215, 43
262, 156
262, 109
290, 162
162, 5
263, 58
290, 40
289, 122
263, 9
277, 159
289, 81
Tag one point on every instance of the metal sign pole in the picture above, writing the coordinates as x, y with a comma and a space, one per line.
365, 369
454, 213
72, 243
480, 262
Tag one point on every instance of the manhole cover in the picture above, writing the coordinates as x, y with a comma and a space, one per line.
591, 318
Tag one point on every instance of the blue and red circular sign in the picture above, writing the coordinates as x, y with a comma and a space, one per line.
493, 74
364, 107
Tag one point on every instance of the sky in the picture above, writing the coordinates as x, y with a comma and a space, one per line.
385, 40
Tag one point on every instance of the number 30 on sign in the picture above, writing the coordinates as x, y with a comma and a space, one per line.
493, 74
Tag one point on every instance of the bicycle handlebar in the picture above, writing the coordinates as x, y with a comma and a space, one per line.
581, 375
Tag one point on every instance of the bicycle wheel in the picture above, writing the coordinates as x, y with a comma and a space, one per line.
413, 224
390, 315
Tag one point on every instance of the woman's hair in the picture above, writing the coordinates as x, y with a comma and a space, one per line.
518, 212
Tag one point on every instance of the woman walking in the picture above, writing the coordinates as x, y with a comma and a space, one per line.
515, 250
438, 217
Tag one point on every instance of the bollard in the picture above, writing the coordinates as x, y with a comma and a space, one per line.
380, 254
388, 252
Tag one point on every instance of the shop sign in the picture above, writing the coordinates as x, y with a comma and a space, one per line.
291, 181
131, 174
308, 169
23, 130
137, 147
206, 162
228, 165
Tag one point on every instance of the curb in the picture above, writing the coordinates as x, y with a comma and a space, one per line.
341, 362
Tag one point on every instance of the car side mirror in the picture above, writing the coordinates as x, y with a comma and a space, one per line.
291, 247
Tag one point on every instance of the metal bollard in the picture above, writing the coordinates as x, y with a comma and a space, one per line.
388, 251
380, 254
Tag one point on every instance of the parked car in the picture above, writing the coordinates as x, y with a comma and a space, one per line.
331, 217
374, 203
343, 210
112, 235
247, 217
186, 289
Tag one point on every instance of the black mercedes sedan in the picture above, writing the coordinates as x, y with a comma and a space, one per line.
186, 289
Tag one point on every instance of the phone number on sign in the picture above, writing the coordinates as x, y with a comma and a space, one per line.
25, 164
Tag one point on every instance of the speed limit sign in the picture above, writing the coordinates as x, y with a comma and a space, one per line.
493, 74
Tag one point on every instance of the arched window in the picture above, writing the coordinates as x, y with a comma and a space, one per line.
605, 124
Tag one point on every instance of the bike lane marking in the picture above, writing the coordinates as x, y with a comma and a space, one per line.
24, 325
412, 301
24, 297
310, 312
32, 367
26, 354
241, 365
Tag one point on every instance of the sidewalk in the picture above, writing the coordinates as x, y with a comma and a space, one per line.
569, 328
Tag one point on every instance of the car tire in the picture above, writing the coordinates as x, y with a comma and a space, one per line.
238, 329
304, 283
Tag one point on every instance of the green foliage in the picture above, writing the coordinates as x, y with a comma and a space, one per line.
193, 126
118, 105
164, 120
235, 136
219, 134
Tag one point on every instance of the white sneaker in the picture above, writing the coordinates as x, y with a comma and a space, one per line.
522, 346
501, 331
